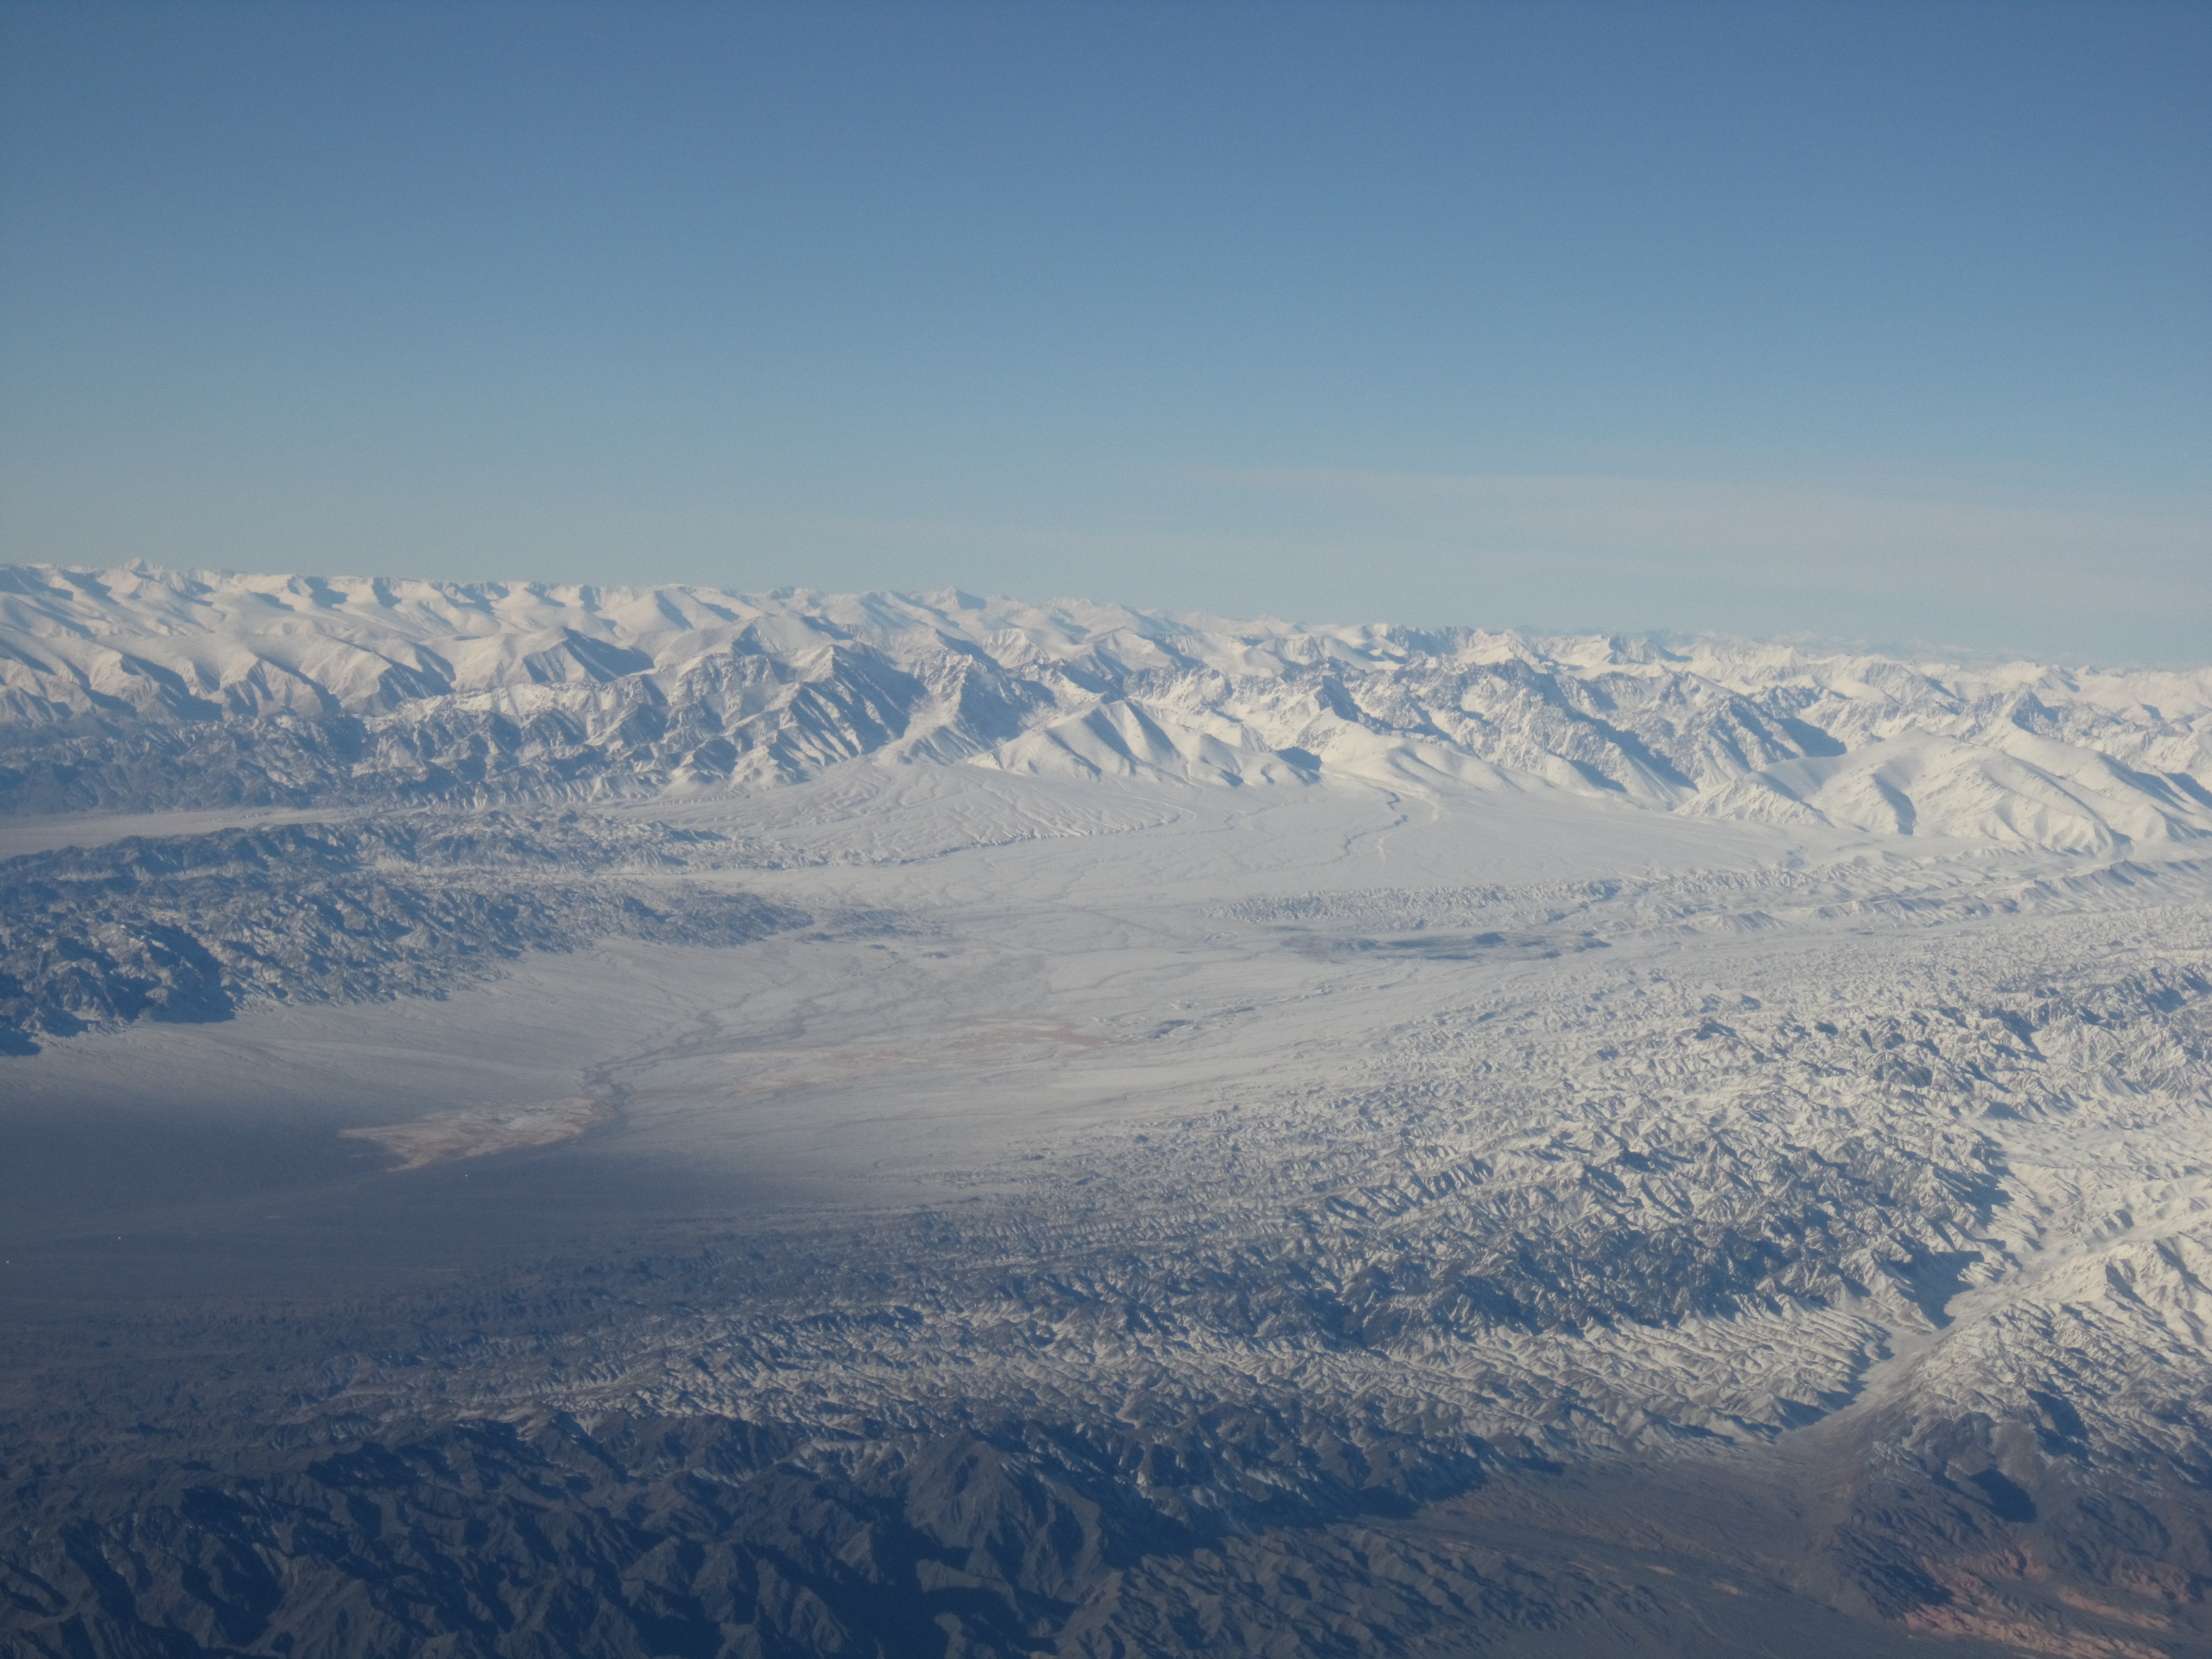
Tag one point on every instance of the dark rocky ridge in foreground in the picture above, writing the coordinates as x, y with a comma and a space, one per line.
648, 1537
145, 1515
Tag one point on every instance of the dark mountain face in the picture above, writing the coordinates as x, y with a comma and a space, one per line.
651, 1537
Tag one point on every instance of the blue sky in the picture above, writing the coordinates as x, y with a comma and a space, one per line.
1861, 320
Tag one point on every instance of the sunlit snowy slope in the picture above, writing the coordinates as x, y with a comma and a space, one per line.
1287, 1140
136, 689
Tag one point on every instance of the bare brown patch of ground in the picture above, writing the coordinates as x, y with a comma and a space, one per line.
481, 1130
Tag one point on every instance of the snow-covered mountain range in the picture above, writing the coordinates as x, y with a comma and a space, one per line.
1052, 1129
135, 688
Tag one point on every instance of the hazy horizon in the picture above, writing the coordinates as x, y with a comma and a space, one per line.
1946, 652
1873, 322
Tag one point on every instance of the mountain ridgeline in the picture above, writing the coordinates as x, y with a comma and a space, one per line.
135, 689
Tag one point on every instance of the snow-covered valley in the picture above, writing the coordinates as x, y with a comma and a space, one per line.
1087, 1131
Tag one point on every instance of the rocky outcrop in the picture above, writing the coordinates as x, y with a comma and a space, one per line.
190, 928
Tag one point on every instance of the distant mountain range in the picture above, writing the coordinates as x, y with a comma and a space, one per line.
140, 688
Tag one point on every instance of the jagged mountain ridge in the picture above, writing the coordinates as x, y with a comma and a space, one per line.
137, 688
